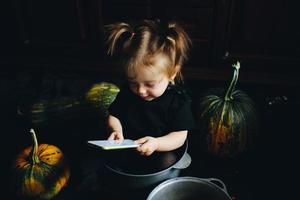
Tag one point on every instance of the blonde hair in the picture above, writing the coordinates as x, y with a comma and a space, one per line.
149, 44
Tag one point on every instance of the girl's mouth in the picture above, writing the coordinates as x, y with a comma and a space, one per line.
147, 98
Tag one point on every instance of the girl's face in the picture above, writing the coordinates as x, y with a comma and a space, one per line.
148, 83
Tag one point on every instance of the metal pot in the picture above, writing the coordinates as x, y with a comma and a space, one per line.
129, 170
190, 188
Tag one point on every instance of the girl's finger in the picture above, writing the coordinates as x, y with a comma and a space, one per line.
141, 140
111, 137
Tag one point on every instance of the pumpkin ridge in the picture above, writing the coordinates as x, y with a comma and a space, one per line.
227, 120
43, 179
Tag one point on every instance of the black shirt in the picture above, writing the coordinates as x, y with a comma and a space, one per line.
167, 113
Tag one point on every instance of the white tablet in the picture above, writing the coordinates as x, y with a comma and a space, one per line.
113, 144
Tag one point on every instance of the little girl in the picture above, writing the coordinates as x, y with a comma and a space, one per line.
150, 108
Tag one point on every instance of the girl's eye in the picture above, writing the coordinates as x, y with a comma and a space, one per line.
150, 85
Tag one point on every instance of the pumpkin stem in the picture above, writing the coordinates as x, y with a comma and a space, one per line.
232, 85
34, 158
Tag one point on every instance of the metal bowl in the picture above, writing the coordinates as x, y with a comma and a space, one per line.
190, 188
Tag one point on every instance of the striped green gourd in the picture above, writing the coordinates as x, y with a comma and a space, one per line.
101, 95
227, 119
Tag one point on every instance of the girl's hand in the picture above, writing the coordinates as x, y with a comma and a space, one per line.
116, 135
147, 145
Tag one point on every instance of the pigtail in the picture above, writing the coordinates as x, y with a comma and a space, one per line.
181, 42
149, 43
115, 31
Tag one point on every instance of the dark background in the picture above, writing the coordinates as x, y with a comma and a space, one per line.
54, 49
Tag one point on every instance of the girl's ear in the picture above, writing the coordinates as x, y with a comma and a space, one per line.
176, 71
172, 78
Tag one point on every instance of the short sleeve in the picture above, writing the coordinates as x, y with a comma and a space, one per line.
182, 117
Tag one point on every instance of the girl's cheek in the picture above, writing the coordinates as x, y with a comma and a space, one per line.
133, 89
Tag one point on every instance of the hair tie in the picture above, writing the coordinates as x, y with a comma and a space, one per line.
171, 39
132, 34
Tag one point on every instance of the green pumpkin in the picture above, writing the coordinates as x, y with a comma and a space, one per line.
228, 120
58, 109
101, 95
40, 171
94, 101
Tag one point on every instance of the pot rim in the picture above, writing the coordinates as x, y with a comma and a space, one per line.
207, 181
151, 174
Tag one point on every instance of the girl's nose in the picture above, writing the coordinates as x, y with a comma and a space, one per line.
141, 90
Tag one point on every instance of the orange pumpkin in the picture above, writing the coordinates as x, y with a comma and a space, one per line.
40, 171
